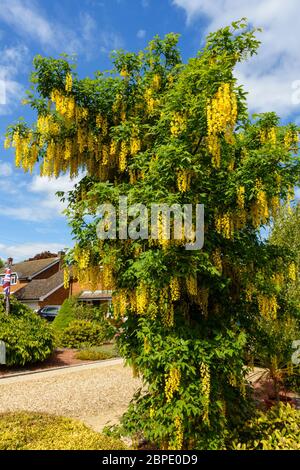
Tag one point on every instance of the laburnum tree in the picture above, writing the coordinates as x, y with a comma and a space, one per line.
158, 130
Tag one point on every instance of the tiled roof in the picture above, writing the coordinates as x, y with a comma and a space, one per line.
38, 288
28, 269
95, 295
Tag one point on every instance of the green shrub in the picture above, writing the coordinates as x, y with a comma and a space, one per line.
98, 353
28, 338
276, 429
66, 314
82, 333
36, 431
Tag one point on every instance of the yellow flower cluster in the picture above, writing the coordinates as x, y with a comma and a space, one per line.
221, 117
151, 102
69, 82
274, 205
66, 106
162, 228
268, 136
183, 180
135, 145
172, 383
217, 259
175, 289
107, 276
259, 209
291, 140
156, 82
268, 306
205, 389
141, 299
292, 272
179, 434
224, 225
214, 148
120, 303
66, 278
123, 156
82, 257
151, 412
124, 73
178, 124
191, 284
241, 197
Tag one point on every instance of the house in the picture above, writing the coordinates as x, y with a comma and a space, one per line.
40, 282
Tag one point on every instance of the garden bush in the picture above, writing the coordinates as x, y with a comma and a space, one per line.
66, 314
84, 332
28, 338
97, 353
36, 431
276, 429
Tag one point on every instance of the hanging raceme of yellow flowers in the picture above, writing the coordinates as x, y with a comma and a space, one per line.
162, 229
107, 277
224, 225
241, 197
221, 118
214, 148
175, 289
135, 145
191, 284
66, 278
178, 441
172, 383
120, 303
250, 291
291, 140
259, 208
292, 272
69, 82
205, 389
156, 82
217, 259
151, 102
141, 299
123, 156
202, 299
267, 306
183, 180
268, 136
178, 124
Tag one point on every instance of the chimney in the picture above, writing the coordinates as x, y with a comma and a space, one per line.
9, 261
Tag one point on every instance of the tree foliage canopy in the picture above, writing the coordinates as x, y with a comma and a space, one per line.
158, 130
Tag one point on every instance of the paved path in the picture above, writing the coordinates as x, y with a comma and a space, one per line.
98, 394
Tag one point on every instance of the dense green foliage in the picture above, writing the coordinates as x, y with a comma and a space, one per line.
85, 333
28, 338
66, 314
276, 429
36, 431
158, 130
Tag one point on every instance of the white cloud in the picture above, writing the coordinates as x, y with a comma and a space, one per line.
28, 19
13, 61
5, 169
141, 33
27, 250
269, 76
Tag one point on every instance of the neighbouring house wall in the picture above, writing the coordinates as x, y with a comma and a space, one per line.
57, 298
15, 287
76, 288
48, 272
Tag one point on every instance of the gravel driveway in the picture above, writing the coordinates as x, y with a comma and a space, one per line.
97, 394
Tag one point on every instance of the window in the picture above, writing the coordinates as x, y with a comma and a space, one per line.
13, 279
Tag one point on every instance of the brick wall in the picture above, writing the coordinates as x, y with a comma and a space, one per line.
57, 298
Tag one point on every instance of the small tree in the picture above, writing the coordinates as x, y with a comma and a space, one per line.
160, 131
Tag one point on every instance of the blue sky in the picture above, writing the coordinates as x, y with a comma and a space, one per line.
30, 214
